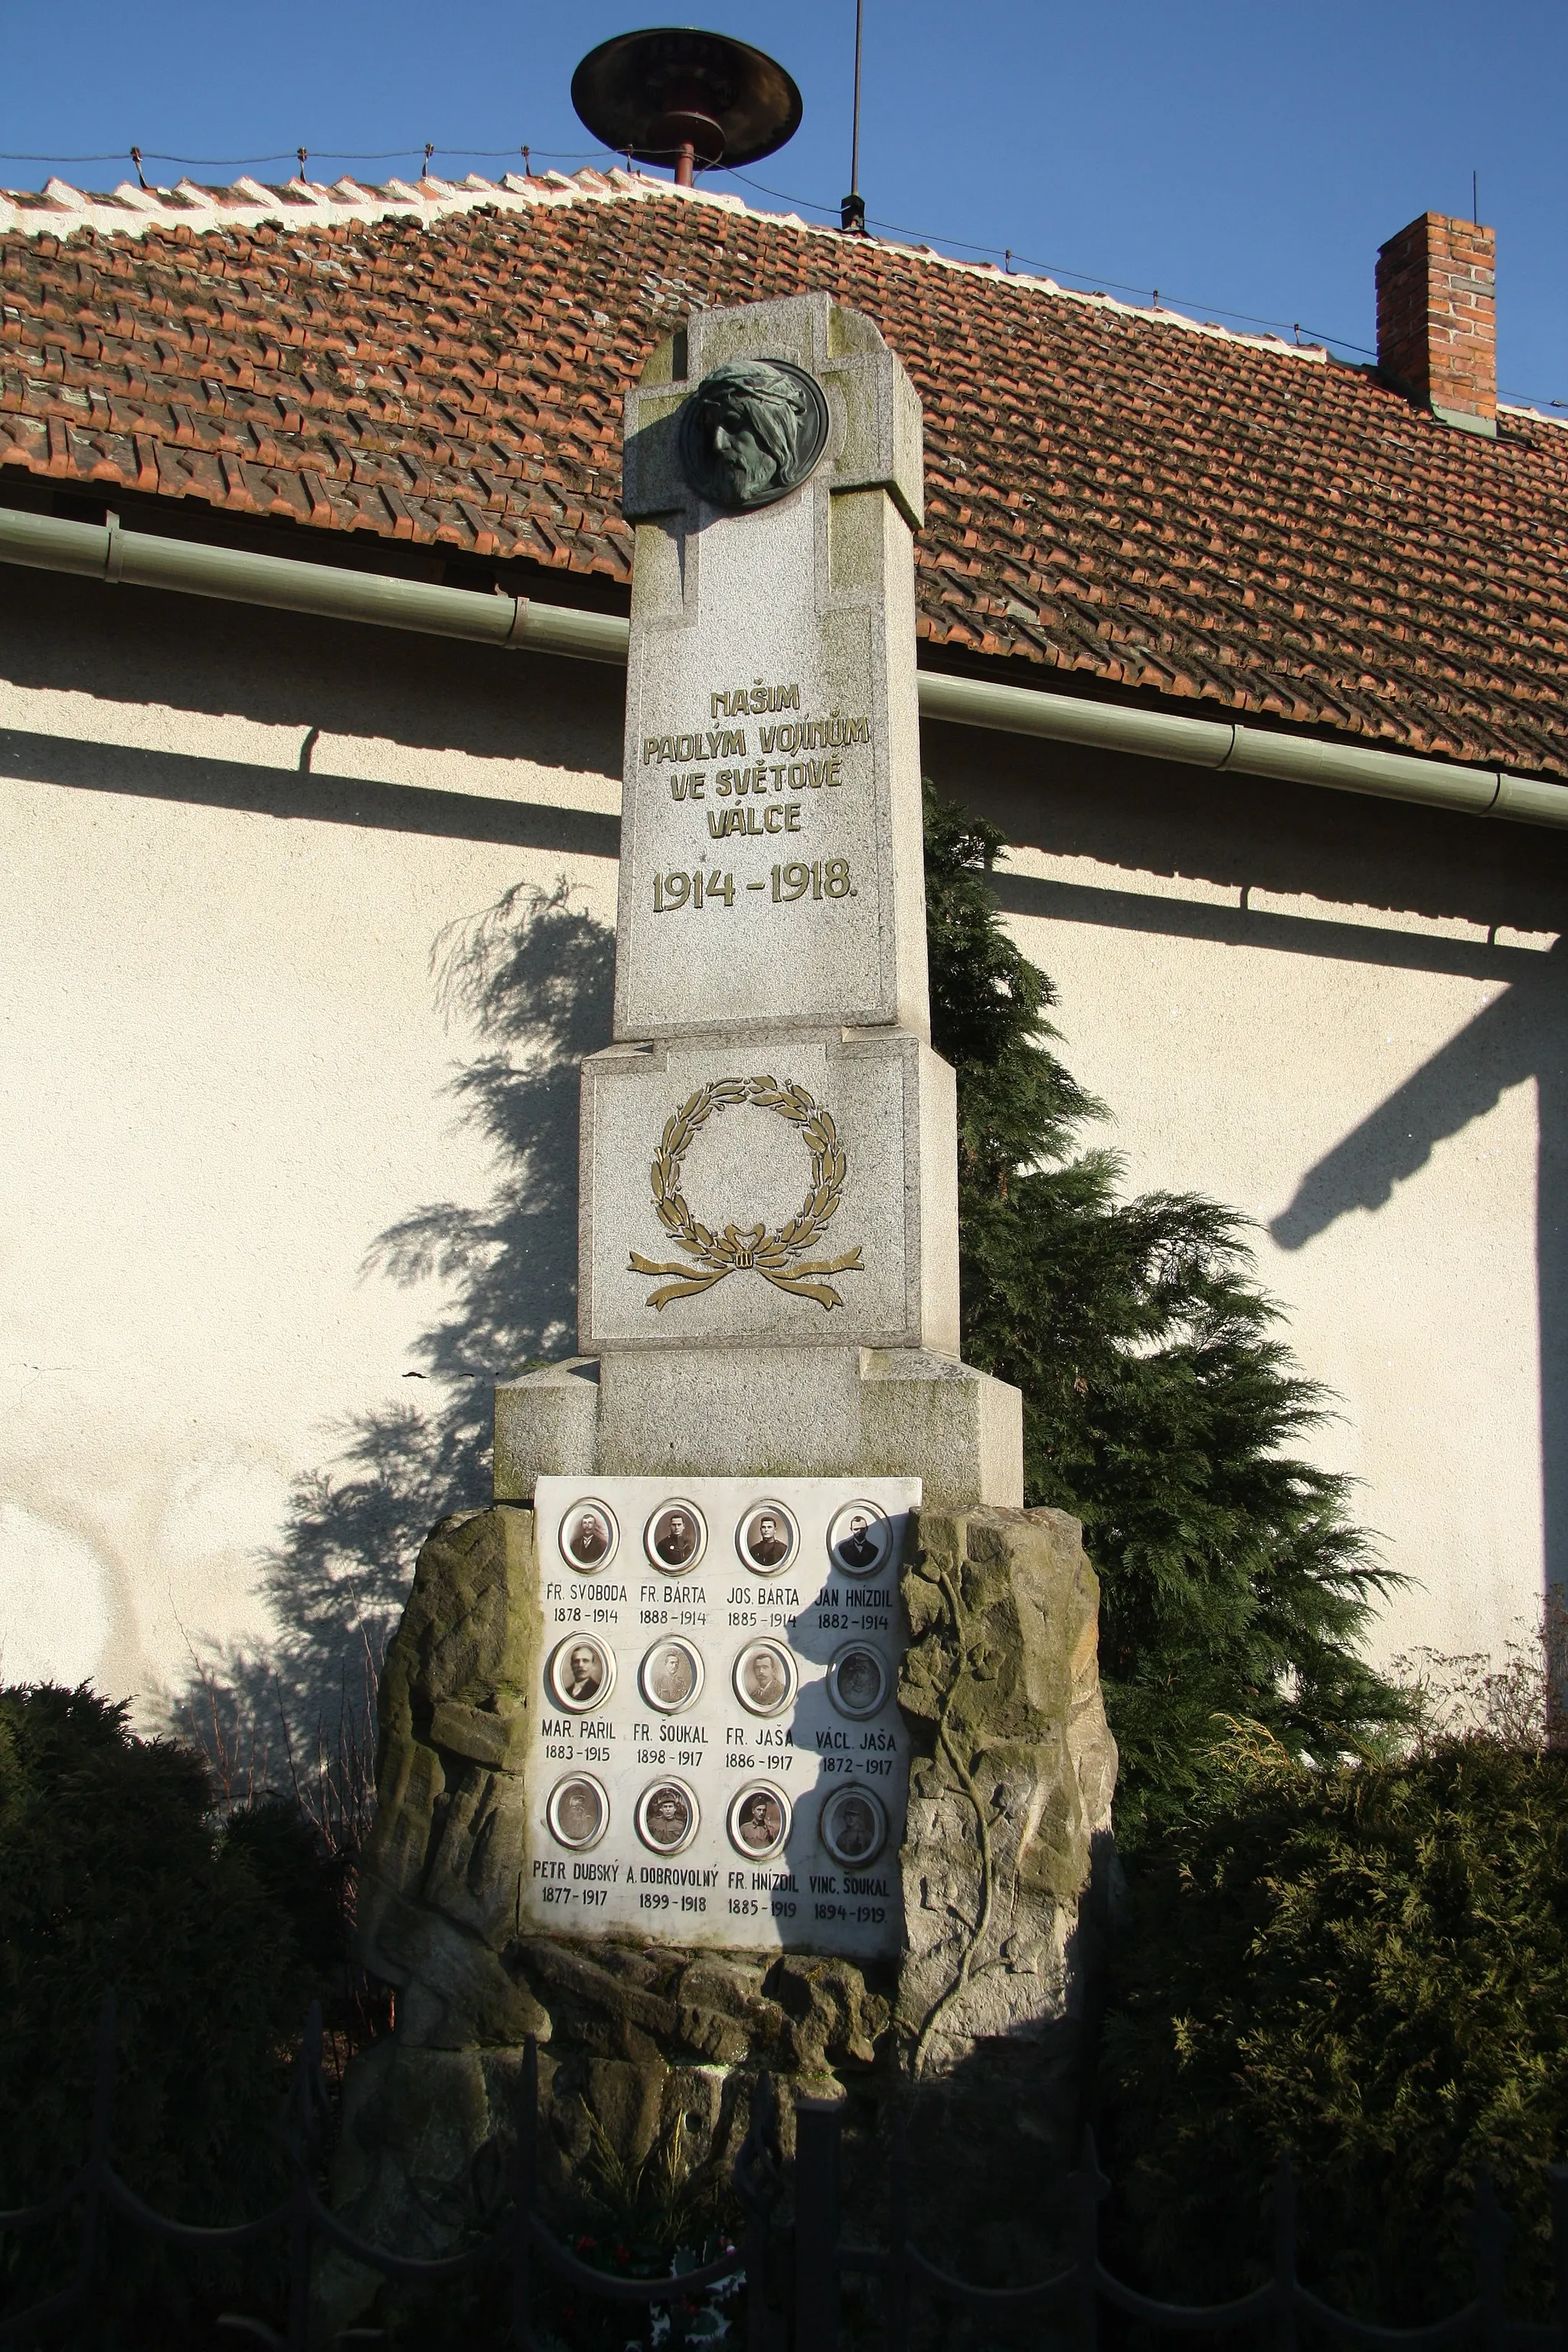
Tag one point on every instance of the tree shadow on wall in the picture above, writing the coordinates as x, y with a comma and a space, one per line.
533, 976
1523, 1034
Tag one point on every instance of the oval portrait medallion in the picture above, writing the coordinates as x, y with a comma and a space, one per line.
670, 1675
856, 1681
588, 1536
758, 1821
767, 1538
666, 1817
578, 1812
676, 1536
765, 1678
581, 1674
853, 1827
860, 1540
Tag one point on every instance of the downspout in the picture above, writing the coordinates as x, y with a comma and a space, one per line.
141, 559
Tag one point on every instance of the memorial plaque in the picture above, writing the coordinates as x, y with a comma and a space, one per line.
719, 1756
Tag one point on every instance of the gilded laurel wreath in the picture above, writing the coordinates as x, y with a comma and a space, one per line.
751, 1249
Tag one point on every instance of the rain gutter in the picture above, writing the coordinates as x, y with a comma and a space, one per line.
141, 559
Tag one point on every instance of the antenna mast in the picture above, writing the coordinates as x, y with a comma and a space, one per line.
852, 211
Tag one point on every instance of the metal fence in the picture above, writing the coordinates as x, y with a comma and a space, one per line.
794, 2272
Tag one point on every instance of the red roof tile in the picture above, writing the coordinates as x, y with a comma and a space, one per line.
1114, 493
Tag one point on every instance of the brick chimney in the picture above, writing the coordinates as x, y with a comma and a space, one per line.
1436, 318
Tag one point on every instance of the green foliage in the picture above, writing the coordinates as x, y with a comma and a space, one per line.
1367, 1967
648, 2219
1158, 1406
653, 2217
657, 2207
114, 1878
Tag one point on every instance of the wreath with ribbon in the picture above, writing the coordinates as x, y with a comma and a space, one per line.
712, 1258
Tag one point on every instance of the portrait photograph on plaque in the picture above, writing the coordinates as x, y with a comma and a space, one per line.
856, 1681
853, 1827
767, 1538
676, 1536
578, 1812
860, 1540
765, 1678
759, 1822
670, 1675
666, 1817
588, 1536
581, 1674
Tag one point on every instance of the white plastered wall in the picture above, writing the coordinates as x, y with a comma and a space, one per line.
1344, 1018
229, 842
223, 1071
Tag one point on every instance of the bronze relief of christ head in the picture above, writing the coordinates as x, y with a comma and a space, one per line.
752, 431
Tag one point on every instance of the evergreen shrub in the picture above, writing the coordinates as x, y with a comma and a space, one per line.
1160, 1406
1366, 1967
1334, 1950
113, 1877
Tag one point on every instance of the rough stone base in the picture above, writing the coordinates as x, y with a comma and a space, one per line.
739, 1411
1009, 1872
972, 2038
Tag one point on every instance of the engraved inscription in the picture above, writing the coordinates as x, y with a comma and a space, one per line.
755, 698
780, 769
774, 819
825, 877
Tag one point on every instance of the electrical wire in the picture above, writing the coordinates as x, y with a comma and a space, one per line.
1008, 255
326, 155
581, 155
1058, 268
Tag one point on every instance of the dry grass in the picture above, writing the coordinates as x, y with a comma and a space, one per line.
1519, 1701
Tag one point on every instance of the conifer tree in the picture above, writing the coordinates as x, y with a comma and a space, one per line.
1159, 1405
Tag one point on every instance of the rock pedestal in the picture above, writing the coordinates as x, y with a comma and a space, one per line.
1003, 1864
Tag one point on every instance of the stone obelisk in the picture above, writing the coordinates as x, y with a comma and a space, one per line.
756, 1722
769, 1237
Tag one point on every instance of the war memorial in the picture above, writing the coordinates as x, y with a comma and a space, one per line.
757, 1724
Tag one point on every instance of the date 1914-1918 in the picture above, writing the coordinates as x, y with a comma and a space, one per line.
825, 877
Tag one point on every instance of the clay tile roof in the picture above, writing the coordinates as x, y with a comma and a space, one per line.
1138, 499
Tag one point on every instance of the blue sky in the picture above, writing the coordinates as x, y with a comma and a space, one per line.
1241, 157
